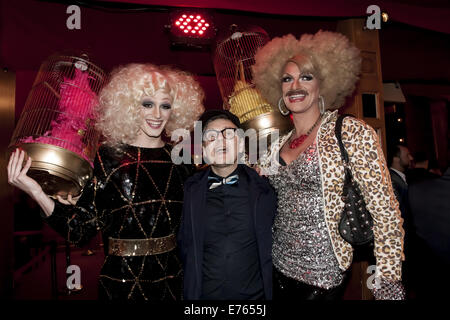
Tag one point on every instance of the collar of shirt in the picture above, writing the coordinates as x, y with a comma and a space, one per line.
401, 174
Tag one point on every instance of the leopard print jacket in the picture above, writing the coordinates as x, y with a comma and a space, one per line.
370, 171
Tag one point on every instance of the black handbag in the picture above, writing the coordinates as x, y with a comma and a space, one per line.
356, 223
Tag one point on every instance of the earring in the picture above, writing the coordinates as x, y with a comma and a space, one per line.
321, 105
284, 113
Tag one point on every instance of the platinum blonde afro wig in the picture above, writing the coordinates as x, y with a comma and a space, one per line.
332, 59
119, 110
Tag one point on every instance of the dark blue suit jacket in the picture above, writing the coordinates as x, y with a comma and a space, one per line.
430, 207
191, 234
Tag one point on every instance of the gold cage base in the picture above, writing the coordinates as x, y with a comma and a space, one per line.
265, 125
57, 170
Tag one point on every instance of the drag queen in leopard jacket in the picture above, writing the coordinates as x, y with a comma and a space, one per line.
309, 78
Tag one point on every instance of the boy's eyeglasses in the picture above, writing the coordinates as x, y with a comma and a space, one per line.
211, 134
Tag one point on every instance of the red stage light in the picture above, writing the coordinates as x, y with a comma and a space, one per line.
191, 27
192, 21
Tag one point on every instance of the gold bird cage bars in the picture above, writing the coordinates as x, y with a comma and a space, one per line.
56, 127
233, 58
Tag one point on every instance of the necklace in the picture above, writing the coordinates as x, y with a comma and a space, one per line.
295, 143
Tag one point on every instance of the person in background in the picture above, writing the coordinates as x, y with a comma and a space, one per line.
399, 161
430, 209
420, 170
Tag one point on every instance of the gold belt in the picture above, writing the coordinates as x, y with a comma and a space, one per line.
141, 247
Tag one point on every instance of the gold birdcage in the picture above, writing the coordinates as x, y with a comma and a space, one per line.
233, 59
56, 127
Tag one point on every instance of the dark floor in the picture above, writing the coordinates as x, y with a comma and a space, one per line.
36, 283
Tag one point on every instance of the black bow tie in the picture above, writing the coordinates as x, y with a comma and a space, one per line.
214, 182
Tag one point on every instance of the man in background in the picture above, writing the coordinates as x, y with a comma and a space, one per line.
430, 210
399, 162
420, 172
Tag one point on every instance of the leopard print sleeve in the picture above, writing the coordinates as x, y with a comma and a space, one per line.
369, 167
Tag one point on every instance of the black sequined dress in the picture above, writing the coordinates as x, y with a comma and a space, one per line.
136, 193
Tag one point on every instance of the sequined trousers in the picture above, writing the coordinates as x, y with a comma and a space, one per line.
302, 248
288, 289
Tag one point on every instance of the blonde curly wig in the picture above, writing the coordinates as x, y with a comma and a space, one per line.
332, 59
119, 113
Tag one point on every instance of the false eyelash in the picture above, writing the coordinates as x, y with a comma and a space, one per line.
146, 104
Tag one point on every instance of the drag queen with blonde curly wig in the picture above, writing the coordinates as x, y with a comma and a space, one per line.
136, 195
309, 78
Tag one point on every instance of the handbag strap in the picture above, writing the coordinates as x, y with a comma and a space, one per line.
338, 133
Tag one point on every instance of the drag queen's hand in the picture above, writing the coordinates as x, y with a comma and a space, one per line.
17, 177
69, 201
